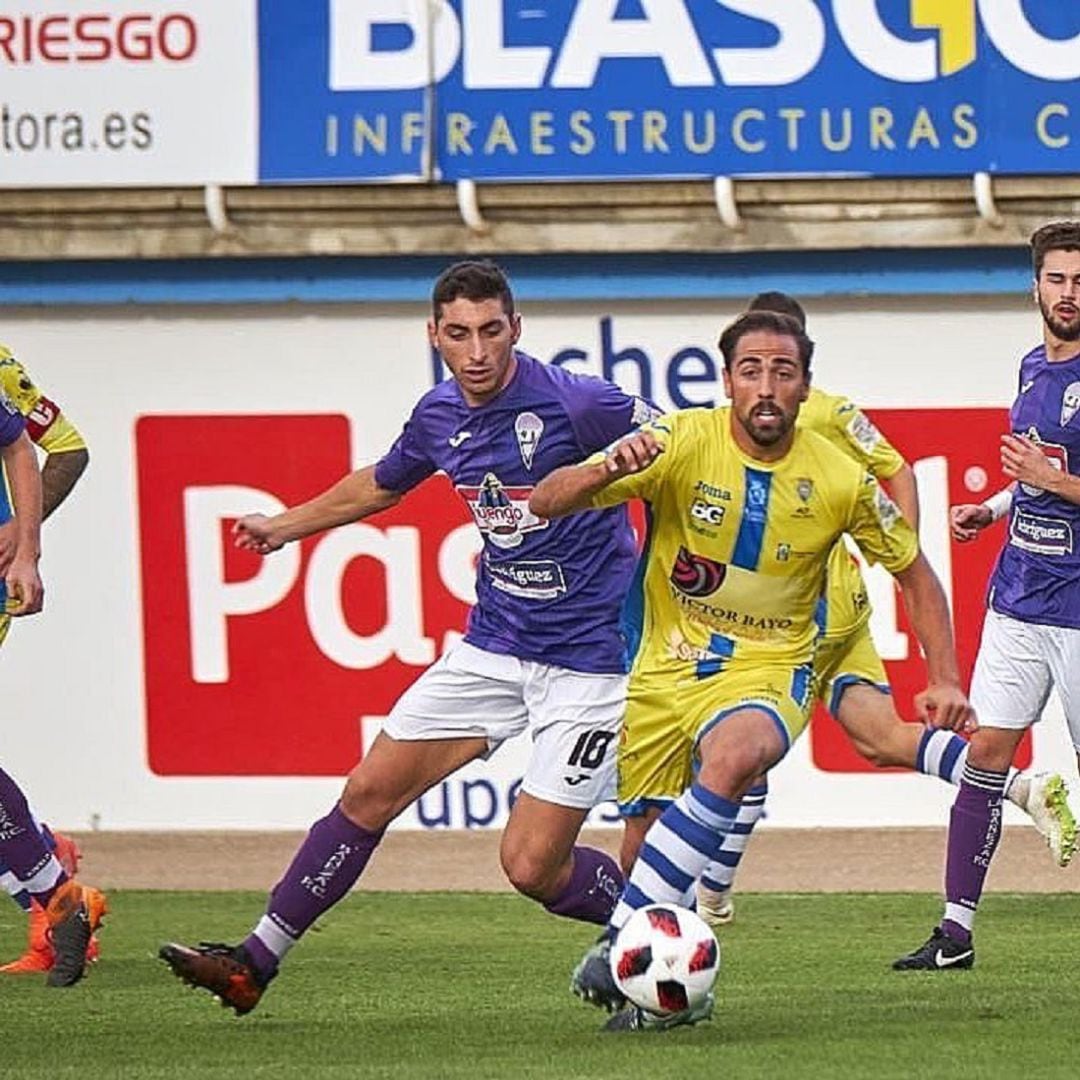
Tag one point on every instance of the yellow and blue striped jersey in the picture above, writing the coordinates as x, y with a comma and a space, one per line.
736, 556
845, 605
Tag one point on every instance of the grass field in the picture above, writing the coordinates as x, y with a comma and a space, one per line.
475, 986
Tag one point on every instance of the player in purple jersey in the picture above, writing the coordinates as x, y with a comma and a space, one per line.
72, 910
543, 650
1031, 637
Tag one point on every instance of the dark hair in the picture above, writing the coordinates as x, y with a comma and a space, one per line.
773, 321
1055, 236
473, 279
780, 302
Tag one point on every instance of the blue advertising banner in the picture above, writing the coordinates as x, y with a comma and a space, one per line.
548, 89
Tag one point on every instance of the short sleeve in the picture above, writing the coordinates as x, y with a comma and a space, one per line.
406, 463
601, 413
880, 530
644, 484
864, 441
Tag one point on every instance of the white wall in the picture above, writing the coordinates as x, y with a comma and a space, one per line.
73, 712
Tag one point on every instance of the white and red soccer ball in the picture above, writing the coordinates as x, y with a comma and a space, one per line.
665, 959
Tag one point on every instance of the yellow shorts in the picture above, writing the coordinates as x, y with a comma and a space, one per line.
664, 724
844, 662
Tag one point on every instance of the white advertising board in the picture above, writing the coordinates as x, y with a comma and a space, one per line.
117, 93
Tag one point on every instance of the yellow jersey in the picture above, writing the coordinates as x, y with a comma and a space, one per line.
736, 555
45, 423
845, 606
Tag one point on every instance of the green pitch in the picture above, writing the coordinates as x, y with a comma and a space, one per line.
475, 986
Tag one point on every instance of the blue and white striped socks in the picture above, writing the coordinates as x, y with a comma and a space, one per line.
942, 754
677, 848
719, 875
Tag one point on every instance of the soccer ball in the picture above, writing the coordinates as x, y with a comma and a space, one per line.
665, 959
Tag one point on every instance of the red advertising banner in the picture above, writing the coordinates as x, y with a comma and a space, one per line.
264, 667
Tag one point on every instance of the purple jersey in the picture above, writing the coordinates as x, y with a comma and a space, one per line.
550, 591
1037, 578
12, 423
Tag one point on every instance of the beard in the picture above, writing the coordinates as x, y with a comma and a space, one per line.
767, 436
1063, 331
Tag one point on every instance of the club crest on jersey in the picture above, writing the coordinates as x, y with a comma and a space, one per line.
1070, 402
501, 513
804, 488
1055, 453
528, 427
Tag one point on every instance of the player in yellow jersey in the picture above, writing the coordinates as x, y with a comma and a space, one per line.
744, 513
849, 676
66, 457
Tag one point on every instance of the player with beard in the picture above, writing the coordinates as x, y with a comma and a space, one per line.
543, 650
734, 566
1031, 636
849, 677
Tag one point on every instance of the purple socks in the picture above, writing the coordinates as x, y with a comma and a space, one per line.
22, 847
974, 832
595, 886
331, 858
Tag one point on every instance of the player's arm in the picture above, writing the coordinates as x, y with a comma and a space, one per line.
943, 703
575, 487
59, 475
884, 535
1022, 460
967, 520
21, 577
356, 496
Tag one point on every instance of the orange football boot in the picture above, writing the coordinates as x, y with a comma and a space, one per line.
74, 913
39, 955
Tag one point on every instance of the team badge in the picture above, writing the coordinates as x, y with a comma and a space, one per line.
804, 488
1070, 402
528, 427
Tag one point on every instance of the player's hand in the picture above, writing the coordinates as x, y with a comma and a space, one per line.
1022, 460
7, 543
633, 454
968, 520
253, 532
25, 593
945, 706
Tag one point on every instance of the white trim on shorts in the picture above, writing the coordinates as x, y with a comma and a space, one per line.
573, 718
1018, 665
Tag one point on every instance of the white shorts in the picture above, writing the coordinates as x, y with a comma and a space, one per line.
573, 718
1018, 664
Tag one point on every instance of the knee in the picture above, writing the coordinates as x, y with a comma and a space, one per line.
366, 804
530, 872
879, 754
